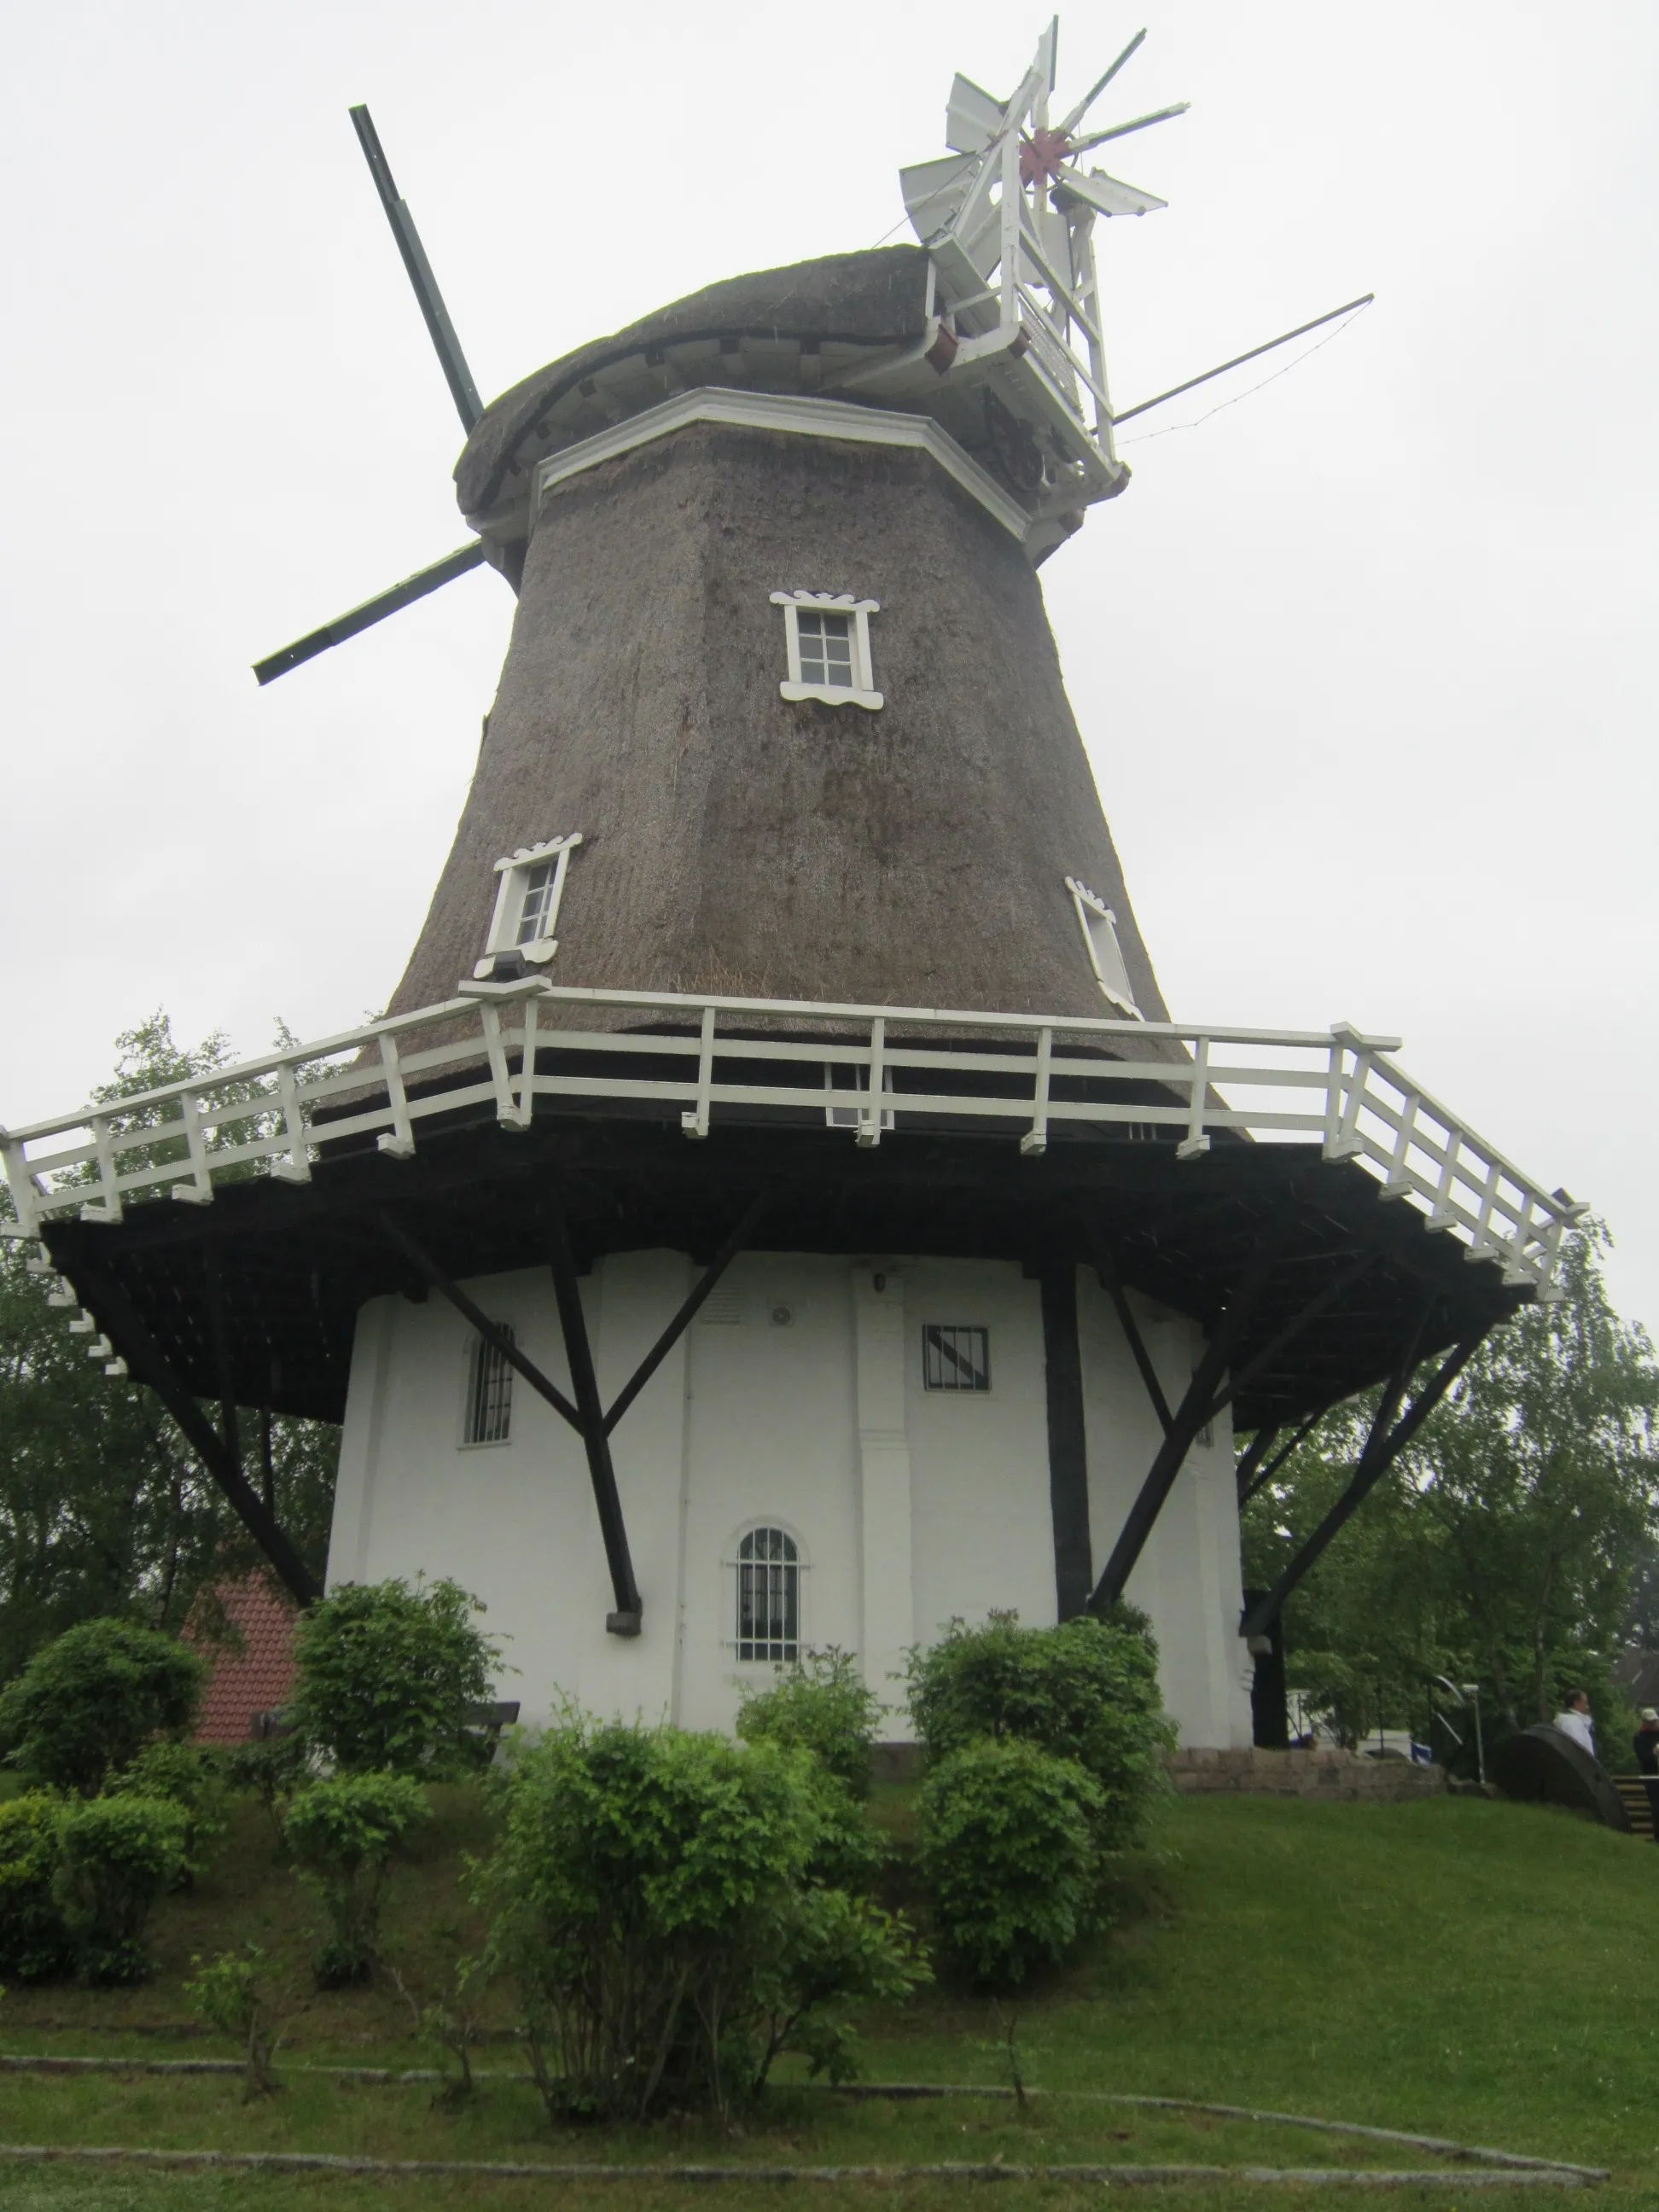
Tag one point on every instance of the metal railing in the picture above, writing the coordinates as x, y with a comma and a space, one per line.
869, 1071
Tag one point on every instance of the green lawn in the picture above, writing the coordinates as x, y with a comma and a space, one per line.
1478, 1970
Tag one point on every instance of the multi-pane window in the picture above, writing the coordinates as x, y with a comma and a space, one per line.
1099, 926
826, 648
488, 1394
769, 1596
534, 911
955, 1356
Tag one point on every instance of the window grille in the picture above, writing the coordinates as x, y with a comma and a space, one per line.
769, 1596
534, 917
955, 1358
826, 648
488, 1394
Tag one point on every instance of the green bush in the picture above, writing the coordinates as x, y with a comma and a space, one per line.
819, 1705
1008, 1855
387, 1674
343, 1835
89, 1701
189, 1777
233, 1994
34, 1944
1087, 1691
118, 1856
653, 1904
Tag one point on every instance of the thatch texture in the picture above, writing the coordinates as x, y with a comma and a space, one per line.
915, 855
852, 299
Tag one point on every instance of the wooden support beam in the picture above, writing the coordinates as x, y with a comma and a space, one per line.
567, 1290
1068, 1453
688, 1311
498, 1339
120, 1320
1111, 1281
219, 1334
1382, 1447
1254, 1452
1193, 1410
1249, 1484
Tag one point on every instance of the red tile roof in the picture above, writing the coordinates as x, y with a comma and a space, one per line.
256, 1678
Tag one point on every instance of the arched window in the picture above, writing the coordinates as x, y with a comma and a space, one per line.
769, 1596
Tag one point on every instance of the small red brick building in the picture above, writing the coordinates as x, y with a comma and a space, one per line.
252, 1669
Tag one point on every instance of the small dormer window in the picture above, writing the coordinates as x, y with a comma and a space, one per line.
1099, 926
527, 897
827, 644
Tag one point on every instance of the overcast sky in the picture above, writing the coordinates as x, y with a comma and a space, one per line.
1364, 663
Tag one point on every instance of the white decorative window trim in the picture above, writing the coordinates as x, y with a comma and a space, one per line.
515, 871
861, 691
487, 1395
1099, 926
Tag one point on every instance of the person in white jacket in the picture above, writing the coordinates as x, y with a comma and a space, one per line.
1574, 1722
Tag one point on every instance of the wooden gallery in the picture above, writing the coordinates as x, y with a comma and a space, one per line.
778, 1209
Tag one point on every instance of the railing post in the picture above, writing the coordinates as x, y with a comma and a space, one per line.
1347, 1144
1398, 1182
1035, 1139
1196, 1142
25, 1191
296, 1167
198, 1191
397, 1143
1441, 1215
870, 1117
696, 1124
110, 1210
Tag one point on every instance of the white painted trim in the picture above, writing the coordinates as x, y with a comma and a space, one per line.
1117, 987
800, 416
509, 901
862, 691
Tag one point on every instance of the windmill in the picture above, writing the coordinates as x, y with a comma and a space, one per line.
1015, 354
779, 1097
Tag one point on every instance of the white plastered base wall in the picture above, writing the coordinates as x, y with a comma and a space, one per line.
796, 1400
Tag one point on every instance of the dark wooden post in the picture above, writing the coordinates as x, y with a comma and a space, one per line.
1068, 1450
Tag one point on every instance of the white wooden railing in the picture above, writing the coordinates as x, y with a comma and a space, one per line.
504, 1045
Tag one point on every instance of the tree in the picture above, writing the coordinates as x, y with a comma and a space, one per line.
1504, 1545
104, 1507
88, 1703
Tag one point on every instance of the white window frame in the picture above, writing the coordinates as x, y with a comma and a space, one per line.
862, 691
849, 1109
1111, 973
476, 1351
514, 874
735, 1565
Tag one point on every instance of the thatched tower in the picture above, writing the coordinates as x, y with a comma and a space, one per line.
917, 853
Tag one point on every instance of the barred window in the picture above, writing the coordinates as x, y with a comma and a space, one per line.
769, 1596
488, 1395
955, 1356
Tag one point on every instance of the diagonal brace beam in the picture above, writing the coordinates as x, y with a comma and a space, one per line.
1253, 1479
1111, 1281
496, 1338
1382, 1447
1193, 1412
1293, 1329
566, 1292
687, 1313
119, 1319
1252, 1457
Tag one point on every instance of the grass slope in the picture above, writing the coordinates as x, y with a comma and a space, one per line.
1480, 1971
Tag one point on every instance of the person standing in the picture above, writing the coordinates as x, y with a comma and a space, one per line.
1646, 1742
1574, 1721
